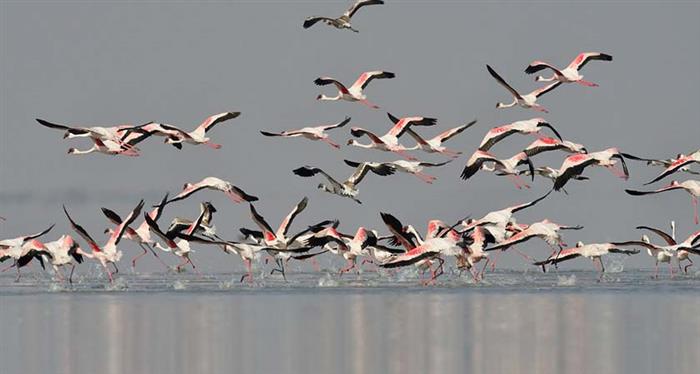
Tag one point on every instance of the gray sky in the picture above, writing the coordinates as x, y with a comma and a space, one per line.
112, 63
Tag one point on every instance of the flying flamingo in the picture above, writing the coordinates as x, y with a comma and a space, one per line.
592, 251
570, 74
312, 133
142, 234
342, 22
198, 135
680, 163
681, 250
526, 101
505, 167
691, 186
574, 165
23, 254
348, 188
234, 193
404, 166
545, 230
108, 147
65, 251
104, 133
355, 92
108, 253
434, 145
389, 142
531, 126
547, 144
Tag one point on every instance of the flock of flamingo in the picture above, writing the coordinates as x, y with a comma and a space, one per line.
469, 241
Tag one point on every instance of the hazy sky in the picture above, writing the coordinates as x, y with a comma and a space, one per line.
178, 62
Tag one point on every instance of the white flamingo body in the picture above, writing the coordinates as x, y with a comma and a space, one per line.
528, 101
356, 92
570, 74
311, 133
434, 145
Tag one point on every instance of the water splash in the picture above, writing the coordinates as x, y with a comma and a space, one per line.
119, 284
327, 281
180, 285
564, 281
614, 265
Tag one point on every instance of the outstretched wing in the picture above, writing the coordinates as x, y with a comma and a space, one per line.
324, 81
308, 171
81, 231
359, 4
503, 82
337, 125
543, 90
583, 58
447, 135
287, 222
666, 237
310, 21
367, 77
536, 66
365, 167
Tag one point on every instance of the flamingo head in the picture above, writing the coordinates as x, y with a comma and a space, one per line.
187, 186
575, 147
351, 142
539, 78
674, 183
500, 105
72, 151
579, 244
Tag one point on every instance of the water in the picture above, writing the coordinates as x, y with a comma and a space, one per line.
514, 322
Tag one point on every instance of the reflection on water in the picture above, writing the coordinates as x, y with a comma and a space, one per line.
413, 331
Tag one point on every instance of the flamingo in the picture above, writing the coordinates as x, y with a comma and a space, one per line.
545, 230
409, 167
156, 129
546, 144
23, 254
503, 167
592, 251
342, 22
206, 228
690, 186
355, 92
312, 133
680, 163
65, 251
389, 142
279, 239
348, 188
108, 147
179, 247
531, 126
104, 133
234, 193
434, 145
668, 162
142, 234
527, 100
108, 253
682, 249
20, 240
570, 74
495, 222
575, 164
552, 174
198, 135
474, 252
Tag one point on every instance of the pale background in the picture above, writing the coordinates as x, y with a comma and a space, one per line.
178, 62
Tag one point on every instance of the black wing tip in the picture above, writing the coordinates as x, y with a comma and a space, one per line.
305, 171
606, 57
353, 164
393, 118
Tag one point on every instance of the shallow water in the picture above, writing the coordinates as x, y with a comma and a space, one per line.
514, 322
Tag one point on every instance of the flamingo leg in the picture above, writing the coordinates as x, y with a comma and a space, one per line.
109, 274
405, 155
19, 274
451, 153
425, 177
133, 260
587, 83
685, 269
373, 106
515, 181
517, 177
695, 209
194, 268
350, 265
179, 266
212, 145
331, 143
7, 268
670, 269
539, 108
656, 270
156, 254
70, 278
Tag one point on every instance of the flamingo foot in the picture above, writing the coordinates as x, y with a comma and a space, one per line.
212, 145
587, 83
